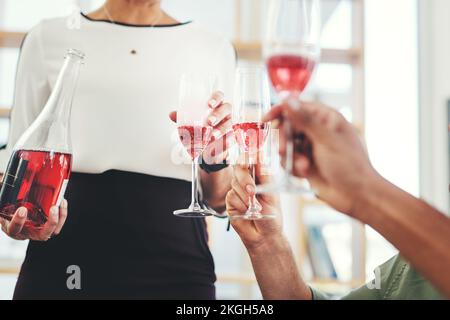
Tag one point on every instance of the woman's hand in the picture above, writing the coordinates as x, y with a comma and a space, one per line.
334, 160
254, 233
16, 228
220, 119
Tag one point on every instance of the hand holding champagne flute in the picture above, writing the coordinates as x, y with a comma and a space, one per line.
292, 52
252, 101
204, 122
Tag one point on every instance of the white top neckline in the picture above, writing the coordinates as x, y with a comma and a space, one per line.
122, 24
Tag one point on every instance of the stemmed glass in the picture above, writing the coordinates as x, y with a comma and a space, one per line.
252, 101
195, 134
292, 52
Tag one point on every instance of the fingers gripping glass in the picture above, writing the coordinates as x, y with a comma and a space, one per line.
195, 134
252, 101
292, 52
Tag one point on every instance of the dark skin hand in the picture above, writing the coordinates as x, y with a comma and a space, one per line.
340, 172
323, 138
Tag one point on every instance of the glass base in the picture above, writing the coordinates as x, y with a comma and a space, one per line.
290, 185
193, 213
254, 213
253, 216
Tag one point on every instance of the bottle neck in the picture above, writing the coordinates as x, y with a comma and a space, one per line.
59, 104
51, 129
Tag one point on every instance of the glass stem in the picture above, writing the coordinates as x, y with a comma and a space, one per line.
293, 101
289, 148
195, 205
252, 207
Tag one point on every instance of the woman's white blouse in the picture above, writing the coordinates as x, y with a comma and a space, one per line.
120, 109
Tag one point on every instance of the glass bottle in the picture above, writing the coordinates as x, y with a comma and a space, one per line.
39, 168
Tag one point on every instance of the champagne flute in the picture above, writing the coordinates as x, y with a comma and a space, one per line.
252, 101
292, 52
195, 134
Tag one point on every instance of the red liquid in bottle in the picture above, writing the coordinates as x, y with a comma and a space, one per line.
35, 180
290, 73
195, 138
251, 135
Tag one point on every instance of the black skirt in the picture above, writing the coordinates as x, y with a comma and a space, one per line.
122, 235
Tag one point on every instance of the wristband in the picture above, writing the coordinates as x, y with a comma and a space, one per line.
210, 168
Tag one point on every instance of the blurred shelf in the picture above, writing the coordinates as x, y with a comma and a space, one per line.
9, 270
11, 39
4, 112
9, 266
239, 279
312, 202
253, 51
342, 56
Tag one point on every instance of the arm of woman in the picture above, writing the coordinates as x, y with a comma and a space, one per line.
31, 90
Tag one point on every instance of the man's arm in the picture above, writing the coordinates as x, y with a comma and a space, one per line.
277, 273
420, 232
272, 258
342, 175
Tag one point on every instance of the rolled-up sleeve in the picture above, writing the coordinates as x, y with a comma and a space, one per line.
362, 293
318, 295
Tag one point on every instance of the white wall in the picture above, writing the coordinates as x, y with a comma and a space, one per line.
434, 91
392, 99
216, 15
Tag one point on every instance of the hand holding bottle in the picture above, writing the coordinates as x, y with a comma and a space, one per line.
39, 167
17, 229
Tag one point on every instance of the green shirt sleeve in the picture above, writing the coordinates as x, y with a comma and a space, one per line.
363, 293
394, 280
318, 295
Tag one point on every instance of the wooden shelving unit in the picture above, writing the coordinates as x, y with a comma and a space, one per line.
354, 56
12, 270
253, 52
4, 112
11, 39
